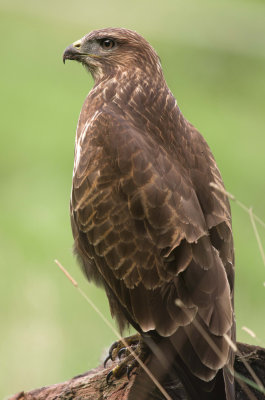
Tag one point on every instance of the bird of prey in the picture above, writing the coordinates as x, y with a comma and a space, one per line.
150, 224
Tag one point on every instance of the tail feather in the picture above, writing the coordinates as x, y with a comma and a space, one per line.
177, 380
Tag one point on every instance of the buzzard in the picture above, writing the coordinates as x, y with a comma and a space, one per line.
147, 224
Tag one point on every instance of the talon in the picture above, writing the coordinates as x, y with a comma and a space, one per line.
106, 360
110, 357
129, 371
121, 352
128, 363
112, 347
110, 374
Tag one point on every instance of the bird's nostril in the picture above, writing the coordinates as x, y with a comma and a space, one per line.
77, 44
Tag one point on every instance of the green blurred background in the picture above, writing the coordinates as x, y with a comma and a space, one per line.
213, 55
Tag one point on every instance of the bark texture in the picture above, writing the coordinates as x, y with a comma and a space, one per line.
92, 384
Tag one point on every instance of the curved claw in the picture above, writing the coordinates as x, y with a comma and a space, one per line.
106, 360
112, 347
121, 352
129, 371
109, 376
109, 357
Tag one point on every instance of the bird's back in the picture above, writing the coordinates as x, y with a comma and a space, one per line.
151, 226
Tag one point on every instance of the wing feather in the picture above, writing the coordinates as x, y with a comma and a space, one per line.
155, 231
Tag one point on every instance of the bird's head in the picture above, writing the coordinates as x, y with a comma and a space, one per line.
105, 51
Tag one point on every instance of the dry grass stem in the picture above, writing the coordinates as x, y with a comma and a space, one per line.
249, 331
251, 215
253, 335
116, 333
241, 205
71, 279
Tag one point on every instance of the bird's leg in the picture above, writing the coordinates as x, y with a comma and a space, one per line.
118, 348
128, 363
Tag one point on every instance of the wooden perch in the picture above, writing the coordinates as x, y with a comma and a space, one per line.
92, 384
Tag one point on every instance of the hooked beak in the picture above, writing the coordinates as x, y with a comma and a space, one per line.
72, 52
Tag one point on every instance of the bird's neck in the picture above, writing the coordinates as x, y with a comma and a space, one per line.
144, 102
134, 90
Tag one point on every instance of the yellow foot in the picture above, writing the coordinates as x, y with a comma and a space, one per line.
118, 348
128, 363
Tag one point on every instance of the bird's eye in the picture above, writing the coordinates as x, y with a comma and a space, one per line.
107, 44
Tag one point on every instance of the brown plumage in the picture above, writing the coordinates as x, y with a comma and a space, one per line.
147, 225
